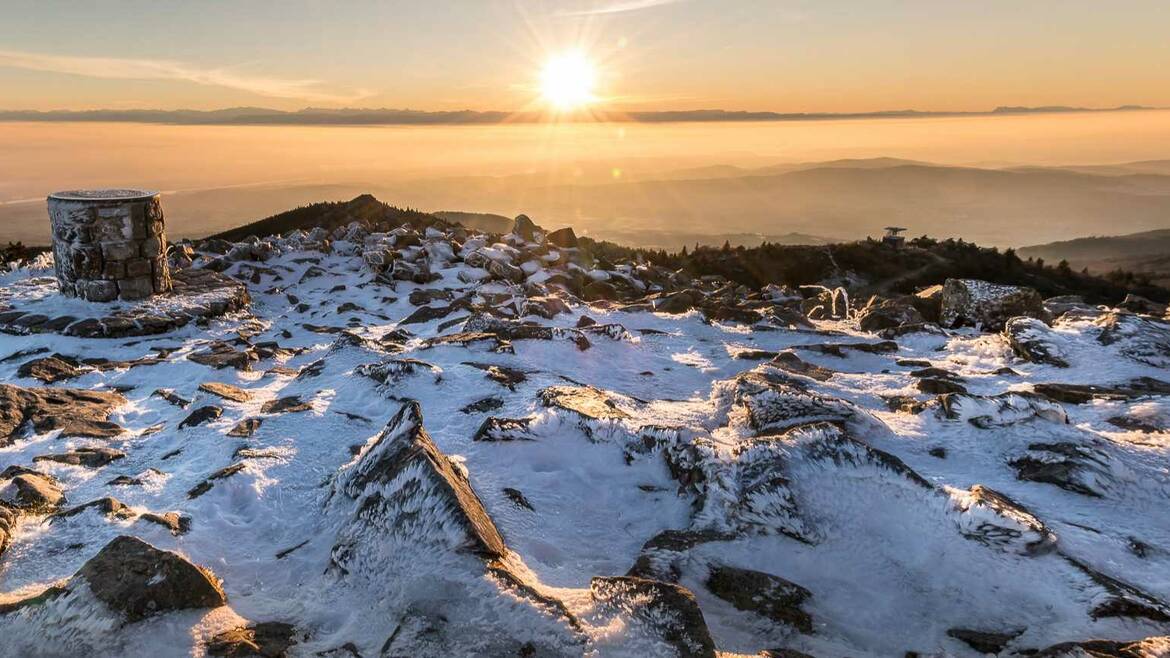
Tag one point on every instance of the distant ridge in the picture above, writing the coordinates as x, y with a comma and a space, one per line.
328, 215
386, 116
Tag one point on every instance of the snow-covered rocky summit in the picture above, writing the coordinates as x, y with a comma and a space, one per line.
432, 441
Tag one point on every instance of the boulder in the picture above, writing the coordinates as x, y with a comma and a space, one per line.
139, 580
524, 228
564, 238
670, 610
762, 593
987, 305
880, 314
29, 491
600, 290
928, 301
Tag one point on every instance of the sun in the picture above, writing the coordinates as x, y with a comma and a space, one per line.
566, 81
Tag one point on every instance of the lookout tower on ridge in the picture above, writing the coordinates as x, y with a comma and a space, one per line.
892, 237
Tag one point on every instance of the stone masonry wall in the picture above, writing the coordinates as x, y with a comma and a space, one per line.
109, 244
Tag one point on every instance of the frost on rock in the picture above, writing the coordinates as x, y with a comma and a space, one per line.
987, 412
1034, 341
1143, 339
413, 523
770, 483
990, 517
990, 305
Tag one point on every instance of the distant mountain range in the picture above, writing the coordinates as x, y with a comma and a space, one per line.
1147, 253
807, 203
388, 116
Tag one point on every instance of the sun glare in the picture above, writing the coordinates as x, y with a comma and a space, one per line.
566, 81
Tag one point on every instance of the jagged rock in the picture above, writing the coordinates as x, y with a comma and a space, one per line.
1032, 341
880, 314
287, 404
270, 639
139, 580
483, 405
494, 428
989, 305
1122, 599
517, 497
985, 641
503, 375
586, 402
245, 428
986, 412
1142, 339
661, 554
73, 411
773, 404
226, 391
88, 457
201, 415
992, 518
170, 396
389, 371
668, 609
400, 462
206, 485
763, 594
1070, 466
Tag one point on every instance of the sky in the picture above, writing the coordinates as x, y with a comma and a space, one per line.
774, 55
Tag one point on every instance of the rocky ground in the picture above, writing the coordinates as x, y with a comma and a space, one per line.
434, 442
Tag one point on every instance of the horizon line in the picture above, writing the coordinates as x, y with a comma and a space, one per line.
391, 116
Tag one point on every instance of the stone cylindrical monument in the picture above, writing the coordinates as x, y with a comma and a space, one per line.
109, 244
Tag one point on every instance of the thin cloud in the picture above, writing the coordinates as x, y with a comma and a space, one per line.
620, 7
114, 68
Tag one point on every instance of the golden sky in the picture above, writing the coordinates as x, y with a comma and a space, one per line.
778, 55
